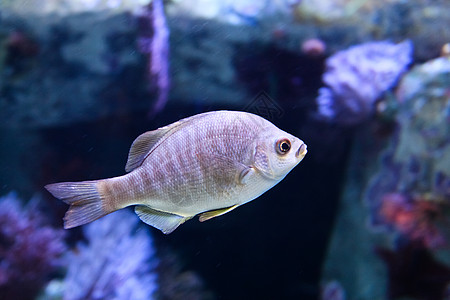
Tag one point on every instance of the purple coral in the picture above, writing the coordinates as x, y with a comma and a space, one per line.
29, 250
154, 43
355, 78
332, 290
115, 263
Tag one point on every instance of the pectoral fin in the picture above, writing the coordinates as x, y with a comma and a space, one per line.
246, 175
166, 222
215, 213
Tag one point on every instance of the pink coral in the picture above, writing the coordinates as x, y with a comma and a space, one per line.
413, 217
313, 47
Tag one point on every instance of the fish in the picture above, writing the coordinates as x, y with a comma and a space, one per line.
206, 165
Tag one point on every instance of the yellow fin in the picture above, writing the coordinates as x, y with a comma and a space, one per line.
215, 213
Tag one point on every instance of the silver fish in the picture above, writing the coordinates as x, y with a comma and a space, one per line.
207, 164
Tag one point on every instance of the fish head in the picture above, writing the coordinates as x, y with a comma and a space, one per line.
277, 153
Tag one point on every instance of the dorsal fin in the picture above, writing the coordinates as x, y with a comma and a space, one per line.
145, 143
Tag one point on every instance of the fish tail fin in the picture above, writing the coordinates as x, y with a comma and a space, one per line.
86, 203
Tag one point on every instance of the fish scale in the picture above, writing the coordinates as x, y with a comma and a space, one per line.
206, 165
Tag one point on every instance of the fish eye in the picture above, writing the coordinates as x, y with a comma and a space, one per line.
283, 146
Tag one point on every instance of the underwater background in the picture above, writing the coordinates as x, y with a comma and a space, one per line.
365, 83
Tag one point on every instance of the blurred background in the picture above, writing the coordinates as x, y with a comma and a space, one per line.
365, 83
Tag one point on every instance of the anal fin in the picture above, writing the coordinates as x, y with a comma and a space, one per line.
166, 222
215, 213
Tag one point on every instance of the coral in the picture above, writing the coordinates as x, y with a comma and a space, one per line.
425, 113
407, 195
236, 12
313, 47
332, 290
417, 163
29, 250
413, 217
154, 42
410, 194
116, 262
66, 7
320, 11
355, 78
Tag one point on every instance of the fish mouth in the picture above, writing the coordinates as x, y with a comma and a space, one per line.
301, 152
